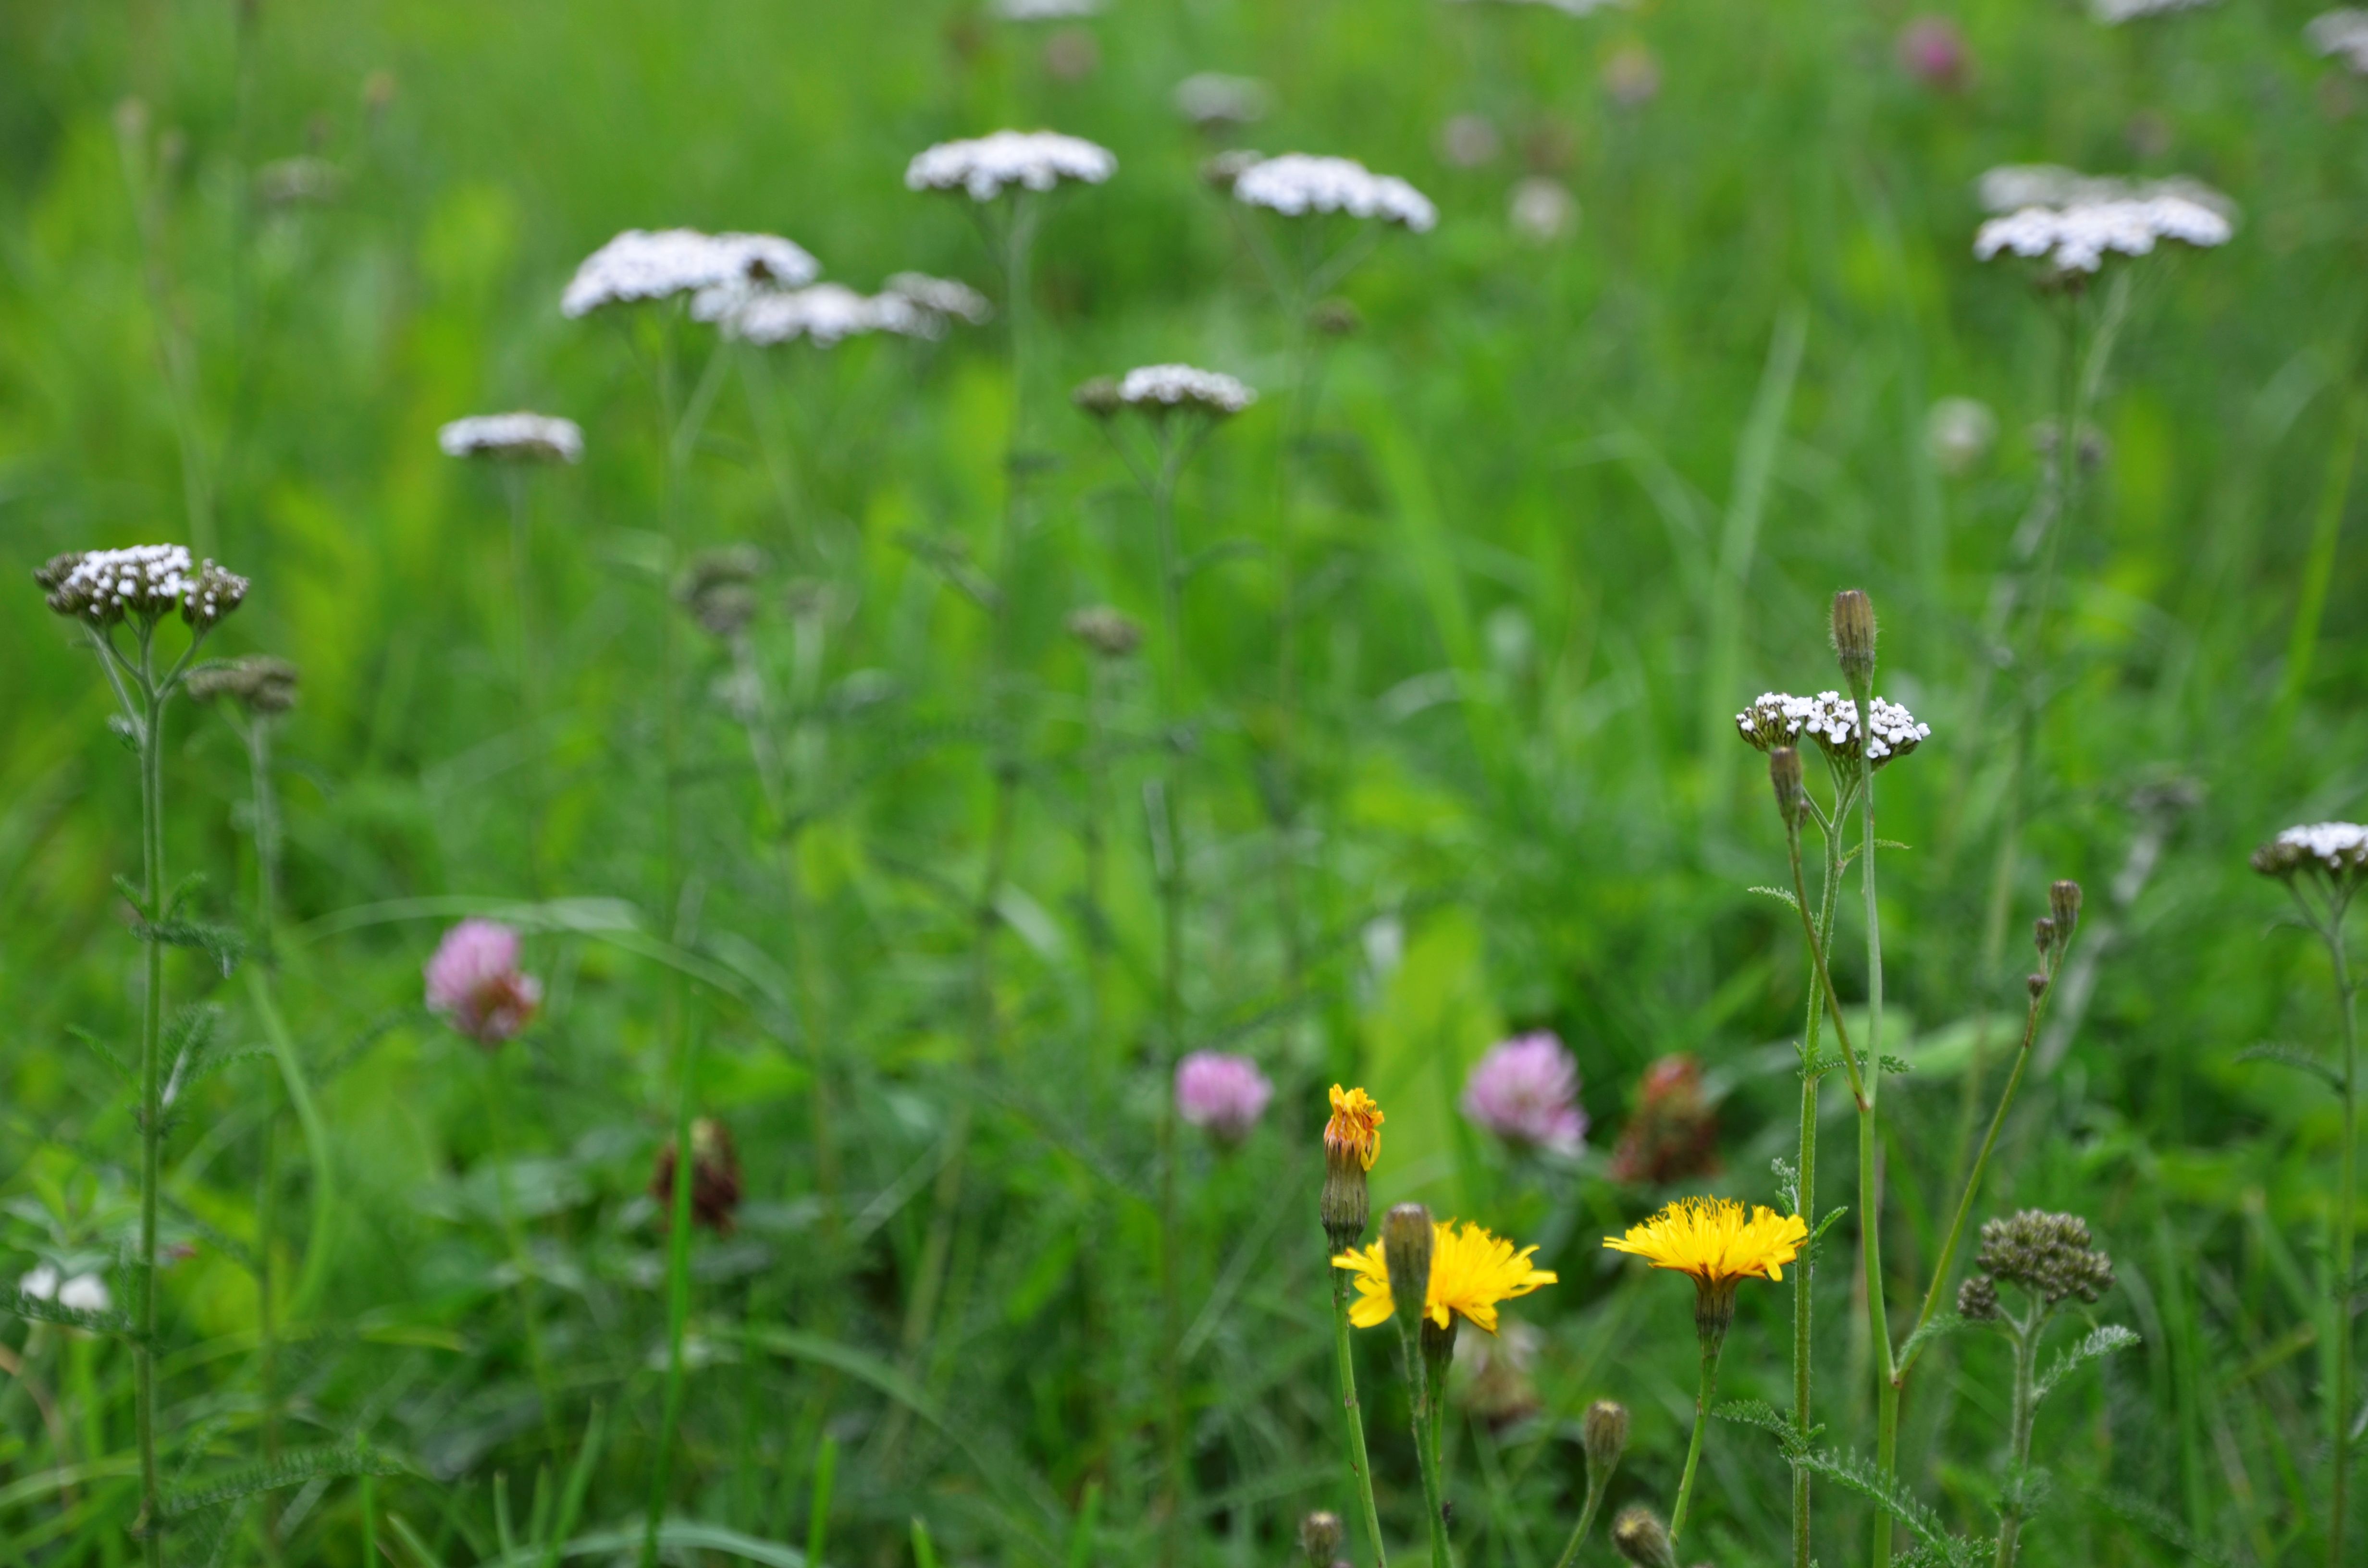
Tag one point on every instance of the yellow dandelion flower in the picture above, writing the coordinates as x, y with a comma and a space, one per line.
1471, 1271
1355, 1126
1716, 1240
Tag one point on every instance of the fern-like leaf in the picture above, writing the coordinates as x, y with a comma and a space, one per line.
1852, 1472
291, 1468
1781, 895
2294, 1057
2101, 1342
1939, 1326
39, 1309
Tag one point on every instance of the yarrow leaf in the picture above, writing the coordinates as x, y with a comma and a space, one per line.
40, 1309
1896, 1065
1768, 1418
2294, 1057
291, 1468
1854, 1473
2100, 1342
1781, 895
1939, 1325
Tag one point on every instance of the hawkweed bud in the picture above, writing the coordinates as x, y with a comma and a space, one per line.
1352, 1142
2036, 984
1641, 1538
1407, 1235
2064, 906
2043, 935
1098, 397
1603, 1433
1784, 778
1320, 1535
1854, 637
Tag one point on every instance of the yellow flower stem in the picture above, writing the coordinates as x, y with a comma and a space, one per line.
1426, 1454
1360, 1466
1710, 1345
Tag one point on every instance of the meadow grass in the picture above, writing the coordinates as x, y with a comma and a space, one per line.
922, 897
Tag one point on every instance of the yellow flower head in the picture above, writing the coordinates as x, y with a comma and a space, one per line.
1471, 1271
1355, 1126
1716, 1240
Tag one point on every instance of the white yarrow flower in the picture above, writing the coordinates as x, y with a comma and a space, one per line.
102, 586
2341, 35
2072, 222
1831, 719
943, 296
823, 314
1297, 183
1035, 160
642, 264
2337, 848
1161, 388
1046, 10
1567, 8
2112, 12
519, 437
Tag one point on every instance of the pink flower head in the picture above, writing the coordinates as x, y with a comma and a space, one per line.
1933, 50
1225, 1094
1525, 1091
474, 984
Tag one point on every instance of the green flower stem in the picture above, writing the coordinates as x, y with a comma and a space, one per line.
1426, 1451
2025, 1407
1360, 1466
678, 1293
1171, 971
1711, 1342
497, 1116
2347, 1219
1811, 1078
1596, 1487
151, 1524
1870, 1181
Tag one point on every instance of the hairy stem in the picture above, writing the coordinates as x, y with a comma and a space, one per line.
151, 1523
1596, 1487
2025, 1406
1812, 1075
2347, 1196
1711, 1342
1869, 1179
1360, 1466
1171, 970
1425, 1450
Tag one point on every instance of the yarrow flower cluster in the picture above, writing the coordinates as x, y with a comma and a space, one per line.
1779, 718
1526, 1092
257, 682
642, 264
1297, 183
2341, 35
144, 581
1046, 10
1161, 389
2112, 12
1471, 1272
474, 982
2335, 849
1567, 8
515, 438
2072, 221
943, 296
2048, 1255
982, 167
823, 314
1221, 1093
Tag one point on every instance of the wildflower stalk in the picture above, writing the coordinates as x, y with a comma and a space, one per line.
530, 685
497, 1114
1603, 1437
2023, 1412
1587, 1509
1426, 1447
2347, 1196
1172, 454
1712, 1342
150, 1526
1360, 1466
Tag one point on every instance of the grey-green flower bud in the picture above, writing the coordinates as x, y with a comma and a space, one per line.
1641, 1538
2064, 906
1854, 637
1603, 1433
1320, 1535
1784, 778
1406, 1236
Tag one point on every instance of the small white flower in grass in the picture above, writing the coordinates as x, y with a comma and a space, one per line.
1046, 10
1298, 183
1164, 387
1567, 8
642, 264
1211, 98
2113, 13
144, 581
2335, 849
943, 296
2341, 35
823, 314
1543, 210
515, 438
1779, 719
2072, 221
982, 168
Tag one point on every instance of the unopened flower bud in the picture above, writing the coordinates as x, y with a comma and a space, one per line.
1784, 778
2036, 984
1406, 1236
1642, 1540
1108, 632
1978, 1299
1098, 397
2064, 906
1352, 1142
1854, 637
257, 682
2043, 935
1336, 318
1320, 1536
1603, 1433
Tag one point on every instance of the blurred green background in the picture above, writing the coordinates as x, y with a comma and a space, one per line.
1573, 492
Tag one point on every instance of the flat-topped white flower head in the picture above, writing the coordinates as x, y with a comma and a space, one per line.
1567, 8
642, 264
1047, 10
141, 582
2072, 222
984, 166
514, 437
1297, 183
2335, 849
2341, 35
1779, 719
2112, 12
942, 296
823, 314
1161, 389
